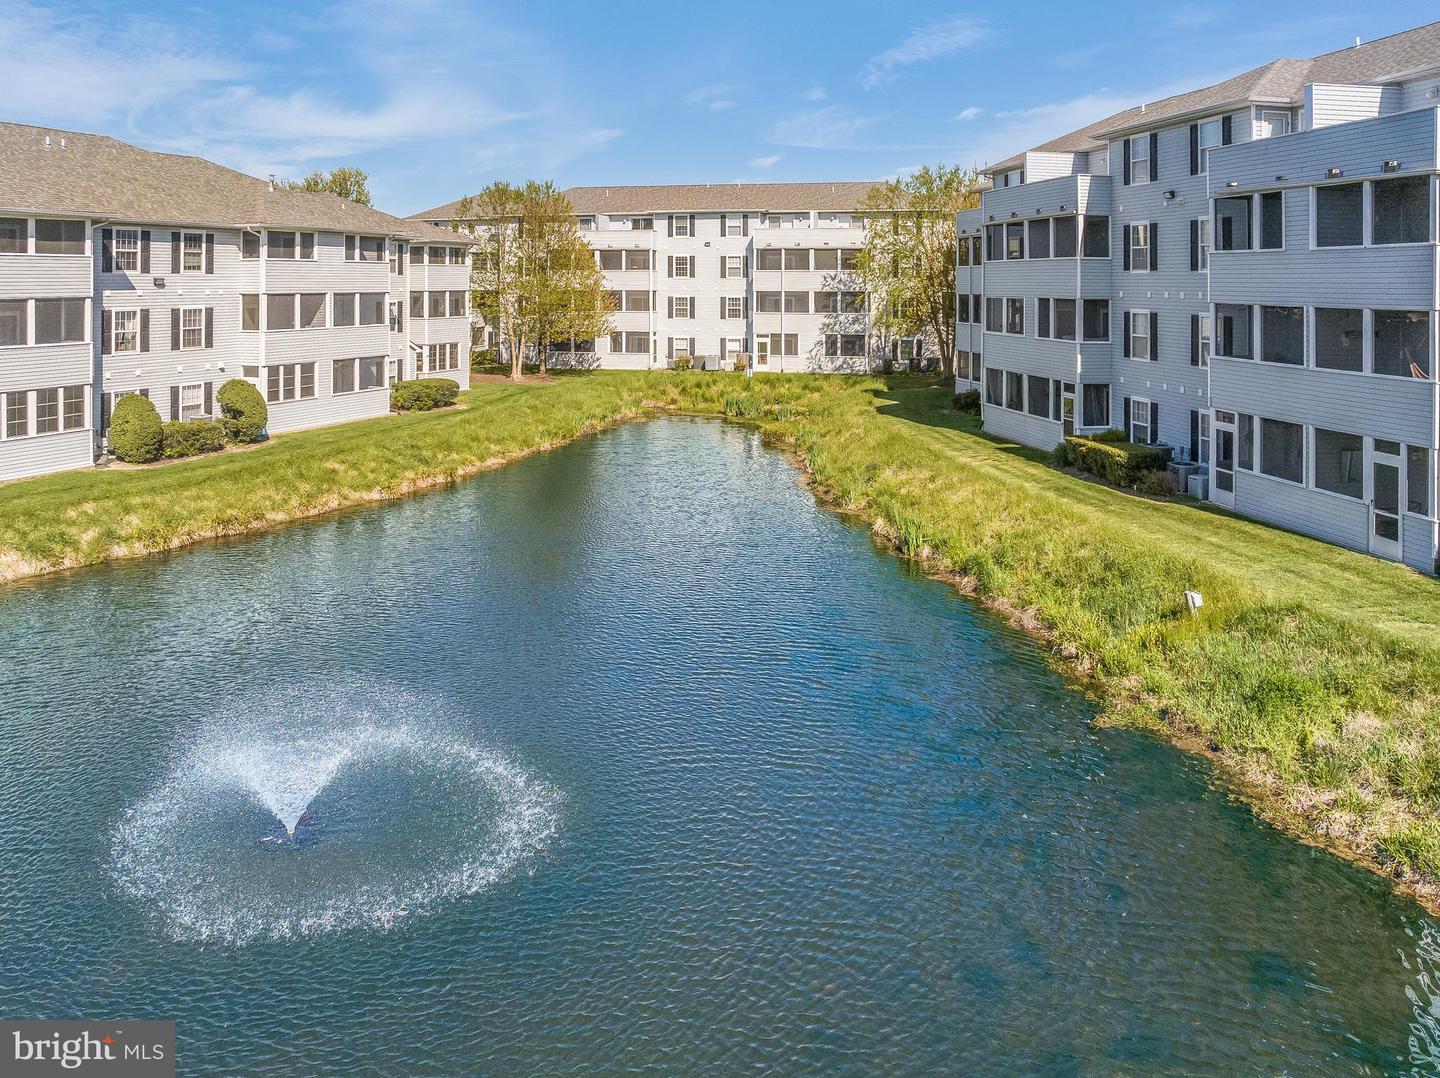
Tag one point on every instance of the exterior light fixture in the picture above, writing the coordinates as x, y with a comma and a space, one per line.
1232, 183
1390, 166
1168, 195
1334, 173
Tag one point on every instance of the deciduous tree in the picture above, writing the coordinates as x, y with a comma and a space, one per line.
345, 181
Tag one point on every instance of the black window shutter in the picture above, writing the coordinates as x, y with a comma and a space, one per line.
349, 248
692, 346
669, 347
1127, 418
692, 233
174, 402
209, 327
722, 224
1154, 156
722, 268
670, 224
745, 306
1227, 129
1154, 246
1125, 332
105, 401
745, 266
174, 329
1195, 245
1195, 435
1154, 336
1125, 146
144, 250
722, 307
144, 329
744, 224
105, 321
1194, 340
145, 393
1154, 422
670, 264
209, 398
107, 250
209, 252
1194, 149
174, 252
669, 306
1125, 246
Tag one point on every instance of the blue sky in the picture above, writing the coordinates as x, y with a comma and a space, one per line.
435, 98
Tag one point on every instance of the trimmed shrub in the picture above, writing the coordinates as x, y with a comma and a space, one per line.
968, 401
1114, 434
423, 394
135, 433
481, 358
1155, 484
191, 437
1122, 463
681, 363
243, 410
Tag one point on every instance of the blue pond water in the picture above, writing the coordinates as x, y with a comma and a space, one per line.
629, 756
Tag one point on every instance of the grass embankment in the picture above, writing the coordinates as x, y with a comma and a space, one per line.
1311, 673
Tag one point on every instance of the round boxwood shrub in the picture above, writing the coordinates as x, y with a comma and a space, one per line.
243, 410
190, 437
423, 394
135, 432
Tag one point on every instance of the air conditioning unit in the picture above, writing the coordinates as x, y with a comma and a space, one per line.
1198, 486
1180, 473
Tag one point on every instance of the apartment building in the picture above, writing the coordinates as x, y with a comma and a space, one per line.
720, 272
1247, 273
126, 271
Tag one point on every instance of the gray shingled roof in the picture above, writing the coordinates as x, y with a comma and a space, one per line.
1277, 81
696, 197
103, 177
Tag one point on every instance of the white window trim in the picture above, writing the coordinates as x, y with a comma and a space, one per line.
115, 251
1143, 140
201, 236
1219, 126
199, 329
1149, 434
1367, 214
115, 331
199, 388
1143, 316
1147, 247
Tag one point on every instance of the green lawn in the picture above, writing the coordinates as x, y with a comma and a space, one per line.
1312, 672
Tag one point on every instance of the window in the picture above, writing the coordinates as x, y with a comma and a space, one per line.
852, 302
457, 303
1202, 430
437, 304
1140, 247
1272, 220
827, 302
1014, 240
1202, 243
417, 305
1402, 343
372, 371
59, 321
280, 245
1096, 314
1140, 335
249, 312
1039, 396
637, 299
192, 401
767, 302
684, 265
1064, 320
14, 326
1282, 335
784, 344
312, 310
192, 327
845, 344
1340, 215
1417, 479
849, 259
125, 245
1014, 392
125, 331
682, 307
1209, 138
614, 261
637, 260
342, 376
1096, 237
994, 315
1282, 450
1039, 239
734, 266
1245, 436
797, 259
638, 343
457, 256
1065, 236
995, 387
1014, 316
192, 252
14, 236
344, 308
47, 411
280, 311
734, 306
397, 316
642, 224
372, 308
1232, 223
962, 309
72, 415
976, 313
1339, 339
1401, 210
1233, 320
249, 244
1095, 405
734, 225
372, 249
797, 302
1139, 159
17, 414
829, 258
1204, 339
1340, 463
61, 237
768, 258
1140, 431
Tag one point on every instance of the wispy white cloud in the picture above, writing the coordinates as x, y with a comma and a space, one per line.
815, 93
766, 162
716, 96
831, 127
928, 41
971, 113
